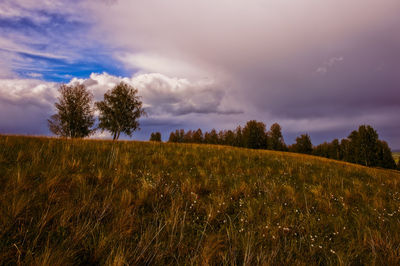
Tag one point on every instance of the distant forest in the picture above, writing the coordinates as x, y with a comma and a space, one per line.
362, 146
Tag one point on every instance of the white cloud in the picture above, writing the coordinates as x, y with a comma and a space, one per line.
152, 63
101, 135
180, 96
165, 95
23, 92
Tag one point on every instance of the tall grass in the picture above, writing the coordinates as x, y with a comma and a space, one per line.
116, 203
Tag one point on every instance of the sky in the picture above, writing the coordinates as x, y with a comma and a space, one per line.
316, 67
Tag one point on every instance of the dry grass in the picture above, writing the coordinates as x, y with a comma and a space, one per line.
98, 202
396, 156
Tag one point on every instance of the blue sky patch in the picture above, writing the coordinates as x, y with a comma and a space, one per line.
55, 47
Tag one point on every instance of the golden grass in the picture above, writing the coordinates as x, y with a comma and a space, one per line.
396, 156
118, 203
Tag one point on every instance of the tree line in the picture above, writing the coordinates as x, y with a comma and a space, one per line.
362, 146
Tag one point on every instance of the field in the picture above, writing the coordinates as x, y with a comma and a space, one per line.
98, 202
396, 156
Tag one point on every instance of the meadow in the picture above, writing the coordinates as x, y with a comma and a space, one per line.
90, 202
396, 156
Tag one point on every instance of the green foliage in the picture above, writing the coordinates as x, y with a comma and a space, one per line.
384, 156
361, 147
177, 136
228, 138
188, 137
155, 136
90, 202
364, 145
197, 136
303, 145
211, 137
330, 150
275, 140
239, 142
74, 118
120, 110
254, 135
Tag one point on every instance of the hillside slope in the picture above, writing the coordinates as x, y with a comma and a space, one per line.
98, 202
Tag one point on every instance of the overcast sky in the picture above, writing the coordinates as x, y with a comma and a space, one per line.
317, 67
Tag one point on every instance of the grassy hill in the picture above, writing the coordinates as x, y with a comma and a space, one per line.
99, 202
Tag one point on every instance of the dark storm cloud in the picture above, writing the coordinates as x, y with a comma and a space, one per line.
361, 75
360, 82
